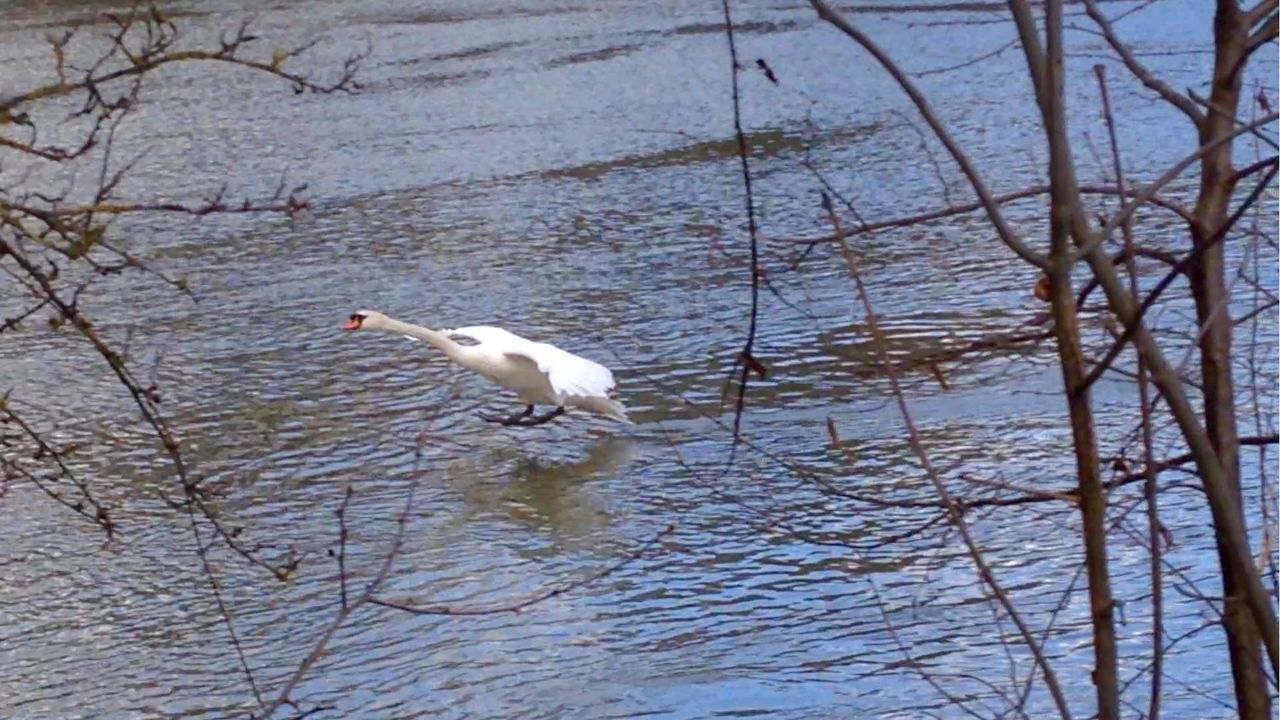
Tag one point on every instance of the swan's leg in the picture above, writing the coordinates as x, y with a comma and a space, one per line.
523, 419
509, 420
543, 418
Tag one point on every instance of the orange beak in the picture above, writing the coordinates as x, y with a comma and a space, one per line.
352, 324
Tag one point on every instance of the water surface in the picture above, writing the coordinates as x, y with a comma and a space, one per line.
567, 170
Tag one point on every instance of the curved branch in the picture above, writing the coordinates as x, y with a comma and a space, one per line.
954, 511
988, 202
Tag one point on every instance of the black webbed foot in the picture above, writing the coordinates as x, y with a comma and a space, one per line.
523, 419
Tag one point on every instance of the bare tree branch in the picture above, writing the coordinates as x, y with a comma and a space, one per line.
1144, 407
1264, 34
1006, 233
1140, 71
1148, 191
346, 608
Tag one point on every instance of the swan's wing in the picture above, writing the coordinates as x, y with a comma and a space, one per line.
569, 375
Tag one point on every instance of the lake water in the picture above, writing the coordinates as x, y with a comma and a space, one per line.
566, 169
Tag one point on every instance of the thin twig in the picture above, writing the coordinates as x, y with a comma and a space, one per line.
1181, 268
1140, 71
966, 208
748, 361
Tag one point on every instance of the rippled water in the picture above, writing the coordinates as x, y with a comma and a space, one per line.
565, 170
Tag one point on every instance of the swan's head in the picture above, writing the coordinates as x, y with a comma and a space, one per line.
365, 320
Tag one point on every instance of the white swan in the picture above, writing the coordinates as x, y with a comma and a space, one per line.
541, 374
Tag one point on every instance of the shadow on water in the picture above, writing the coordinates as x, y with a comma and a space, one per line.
763, 145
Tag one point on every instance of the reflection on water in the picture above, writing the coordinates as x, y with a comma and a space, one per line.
564, 170
608, 455
541, 491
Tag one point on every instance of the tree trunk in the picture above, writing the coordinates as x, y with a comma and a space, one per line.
1208, 284
1093, 497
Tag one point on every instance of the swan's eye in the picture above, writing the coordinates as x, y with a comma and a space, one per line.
356, 317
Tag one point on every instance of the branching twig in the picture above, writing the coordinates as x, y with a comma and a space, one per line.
346, 608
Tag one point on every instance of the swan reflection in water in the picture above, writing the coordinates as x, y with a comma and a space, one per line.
559, 494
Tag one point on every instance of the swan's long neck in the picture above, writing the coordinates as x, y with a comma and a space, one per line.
437, 340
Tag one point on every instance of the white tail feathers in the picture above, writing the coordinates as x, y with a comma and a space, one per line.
603, 406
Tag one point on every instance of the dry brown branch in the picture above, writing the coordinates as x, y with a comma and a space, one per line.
159, 52
1215, 109
1023, 490
54, 248
346, 607
1218, 481
828, 482
1255, 14
1181, 268
746, 357
1148, 191
1047, 70
968, 63
1266, 33
96, 512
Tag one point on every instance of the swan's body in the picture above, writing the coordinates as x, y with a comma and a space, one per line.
540, 374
